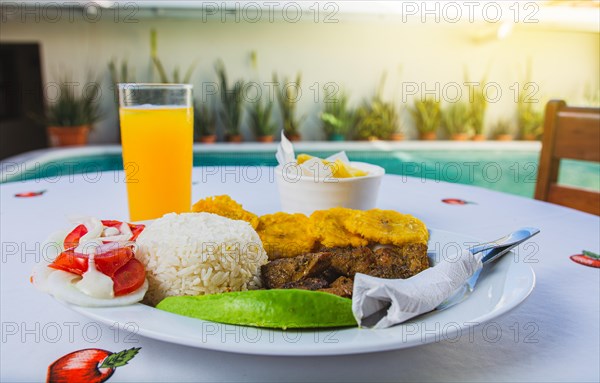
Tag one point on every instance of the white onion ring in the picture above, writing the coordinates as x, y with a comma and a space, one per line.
61, 285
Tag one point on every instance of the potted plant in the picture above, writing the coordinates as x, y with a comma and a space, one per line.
529, 120
260, 121
478, 104
397, 136
456, 119
427, 115
477, 108
503, 130
232, 103
205, 124
376, 119
336, 116
120, 74
160, 68
70, 119
287, 99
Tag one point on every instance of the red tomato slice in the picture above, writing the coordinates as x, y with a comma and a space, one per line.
107, 263
72, 239
111, 223
129, 277
136, 230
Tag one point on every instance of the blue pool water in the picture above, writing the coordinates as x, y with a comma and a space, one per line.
507, 171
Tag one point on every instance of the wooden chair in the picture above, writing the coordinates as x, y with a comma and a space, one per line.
572, 133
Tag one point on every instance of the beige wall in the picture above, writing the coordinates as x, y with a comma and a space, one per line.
352, 53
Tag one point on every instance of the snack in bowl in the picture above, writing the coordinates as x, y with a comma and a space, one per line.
309, 183
301, 193
199, 253
338, 167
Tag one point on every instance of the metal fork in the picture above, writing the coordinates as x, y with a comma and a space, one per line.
492, 251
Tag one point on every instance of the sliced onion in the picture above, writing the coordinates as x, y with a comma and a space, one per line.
126, 230
98, 246
88, 247
94, 226
116, 238
110, 231
61, 285
40, 275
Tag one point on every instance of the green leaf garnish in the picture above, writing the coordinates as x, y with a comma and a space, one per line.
119, 359
590, 254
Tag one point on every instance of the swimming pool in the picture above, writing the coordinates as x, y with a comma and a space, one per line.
506, 167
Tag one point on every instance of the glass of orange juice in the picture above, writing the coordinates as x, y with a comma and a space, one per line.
157, 137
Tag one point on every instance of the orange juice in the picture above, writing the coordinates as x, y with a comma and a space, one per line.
157, 157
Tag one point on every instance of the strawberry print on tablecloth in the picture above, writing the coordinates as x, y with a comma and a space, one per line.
30, 194
457, 201
90, 365
587, 258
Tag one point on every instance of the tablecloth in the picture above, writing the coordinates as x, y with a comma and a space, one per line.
553, 336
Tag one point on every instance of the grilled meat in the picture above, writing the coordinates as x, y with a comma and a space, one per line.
306, 284
349, 261
333, 270
285, 270
342, 286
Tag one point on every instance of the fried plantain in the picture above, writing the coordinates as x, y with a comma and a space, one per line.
330, 230
224, 206
387, 227
286, 235
302, 158
340, 169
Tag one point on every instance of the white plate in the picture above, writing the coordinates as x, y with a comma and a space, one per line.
501, 287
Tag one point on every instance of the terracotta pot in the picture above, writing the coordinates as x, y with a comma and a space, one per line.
234, 138
460, 137
295, 137
429, 136
68, 135
504, 137
265, 139
397, 137
479, 137
373, 138
529, 137
210, 139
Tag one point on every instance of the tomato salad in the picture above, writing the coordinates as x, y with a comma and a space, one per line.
96, 265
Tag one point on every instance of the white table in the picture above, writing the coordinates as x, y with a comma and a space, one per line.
553, 336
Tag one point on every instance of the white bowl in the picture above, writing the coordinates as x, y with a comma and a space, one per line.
305, 194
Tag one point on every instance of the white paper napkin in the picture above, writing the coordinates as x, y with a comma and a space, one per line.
285, 151
313, 167
381, 303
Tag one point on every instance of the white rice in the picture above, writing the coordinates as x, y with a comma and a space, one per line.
199, 253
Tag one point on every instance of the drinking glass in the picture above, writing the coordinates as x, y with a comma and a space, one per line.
157, 137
